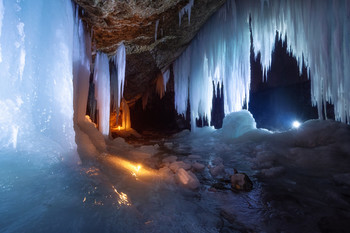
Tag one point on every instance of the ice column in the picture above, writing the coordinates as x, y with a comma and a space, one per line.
81, 68
36, 96
102, 91
117, 83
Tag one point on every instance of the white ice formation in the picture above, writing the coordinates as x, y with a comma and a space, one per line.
102, 91
36, 75
81, 68
117, 82
186, 9
317, 32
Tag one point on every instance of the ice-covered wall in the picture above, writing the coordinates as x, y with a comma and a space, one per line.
316, 31
36, 96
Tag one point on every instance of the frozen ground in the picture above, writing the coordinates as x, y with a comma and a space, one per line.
300, 177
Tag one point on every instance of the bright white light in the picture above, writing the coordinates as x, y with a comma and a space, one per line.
296, 124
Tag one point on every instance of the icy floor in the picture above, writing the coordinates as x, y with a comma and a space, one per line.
301, 184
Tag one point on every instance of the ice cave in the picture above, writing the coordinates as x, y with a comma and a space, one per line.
174, 116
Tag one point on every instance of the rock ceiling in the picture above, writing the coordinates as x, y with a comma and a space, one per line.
133, 22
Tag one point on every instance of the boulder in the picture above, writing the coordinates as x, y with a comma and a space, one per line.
187, 179
217, 170
240, 181
169, 159
179, 164
198, 167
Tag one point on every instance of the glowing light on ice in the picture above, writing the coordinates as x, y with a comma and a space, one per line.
296, 124
122, 197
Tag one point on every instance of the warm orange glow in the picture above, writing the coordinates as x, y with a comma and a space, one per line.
119, 127
123, 198
134, 169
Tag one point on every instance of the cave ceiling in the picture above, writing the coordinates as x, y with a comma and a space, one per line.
133, 22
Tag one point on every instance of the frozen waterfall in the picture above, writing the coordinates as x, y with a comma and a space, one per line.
36, 96
317, 31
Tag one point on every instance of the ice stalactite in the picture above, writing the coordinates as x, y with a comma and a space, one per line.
156, 30
219, 54
166, 77
161, 83
36, 75
117, 82
81, 68
317, 34
160, 86
102, 91
186, 9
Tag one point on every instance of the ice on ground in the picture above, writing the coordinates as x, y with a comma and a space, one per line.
187, 179
198, 167
175, 166
169, 159
237, 123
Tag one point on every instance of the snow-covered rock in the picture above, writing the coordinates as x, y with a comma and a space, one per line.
169, 159
175, 166
236, 124
198, 167
187, 179
217, 170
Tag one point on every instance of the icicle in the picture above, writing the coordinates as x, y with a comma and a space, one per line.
81, 68
166, 77
118, 85
219, 54
102, 91
186, 9
156, 32
160, 86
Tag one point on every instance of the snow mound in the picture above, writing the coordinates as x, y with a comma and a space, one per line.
237, 123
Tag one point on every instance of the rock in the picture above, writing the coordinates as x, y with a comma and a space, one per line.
187, 179
240, 181
169, 159
134, 24
179, 164
198, 167
166, 172
193, 157
217, 170
139, 155
217, 161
